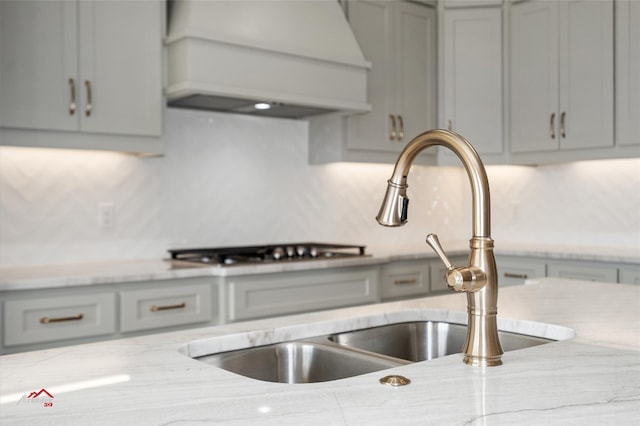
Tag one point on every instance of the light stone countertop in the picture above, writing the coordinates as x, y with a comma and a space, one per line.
100, 273
590, 379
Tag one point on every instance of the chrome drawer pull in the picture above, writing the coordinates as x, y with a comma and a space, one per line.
47, 320
562, 131
156, 308
512, 275
401, 132
406, 281
552, 126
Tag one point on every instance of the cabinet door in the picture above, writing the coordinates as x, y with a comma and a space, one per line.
38, 57
120, 58
586, 74
627, 72
415, 70
534, 76
473, 76
372, 22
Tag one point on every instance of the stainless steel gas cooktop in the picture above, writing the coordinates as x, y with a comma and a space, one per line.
289, 252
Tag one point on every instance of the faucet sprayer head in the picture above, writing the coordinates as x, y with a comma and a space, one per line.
395, 205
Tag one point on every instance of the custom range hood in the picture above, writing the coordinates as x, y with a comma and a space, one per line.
293, 58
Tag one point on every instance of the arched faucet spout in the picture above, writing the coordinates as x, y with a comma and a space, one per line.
479, 279
397, 201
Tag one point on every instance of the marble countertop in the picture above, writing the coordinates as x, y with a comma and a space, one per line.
70, 275
592, 378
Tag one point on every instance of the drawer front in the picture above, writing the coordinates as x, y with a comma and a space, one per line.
278, 294
516, 271
58, 318
629, 275
405, 279
588, 271
165, 306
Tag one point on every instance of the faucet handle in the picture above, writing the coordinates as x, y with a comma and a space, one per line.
465, 278
434, 242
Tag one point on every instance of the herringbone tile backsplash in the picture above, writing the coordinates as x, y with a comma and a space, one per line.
234, 180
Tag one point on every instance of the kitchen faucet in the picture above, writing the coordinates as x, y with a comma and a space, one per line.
479, 279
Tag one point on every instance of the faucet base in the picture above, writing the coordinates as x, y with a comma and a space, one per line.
477, 361
482, 347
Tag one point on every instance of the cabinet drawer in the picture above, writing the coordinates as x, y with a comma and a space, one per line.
588, 271
629, 275
58, 318
514, 271
165, 306
278, 294
404, 279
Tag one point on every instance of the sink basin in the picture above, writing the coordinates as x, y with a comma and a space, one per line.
353, 353
423, 340
299, 362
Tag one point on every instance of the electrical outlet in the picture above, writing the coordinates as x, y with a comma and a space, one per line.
106, 215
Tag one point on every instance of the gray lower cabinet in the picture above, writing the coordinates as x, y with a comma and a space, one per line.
264, 295
40, 319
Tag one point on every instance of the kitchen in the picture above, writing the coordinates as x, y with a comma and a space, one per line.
210, 188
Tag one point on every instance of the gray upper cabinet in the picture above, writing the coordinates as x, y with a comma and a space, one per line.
399, 39
90, 68
627, 73
38, 69
561, 79
472, 80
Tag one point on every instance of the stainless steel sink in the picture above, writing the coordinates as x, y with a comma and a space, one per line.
424, 340
353, 353
300, 362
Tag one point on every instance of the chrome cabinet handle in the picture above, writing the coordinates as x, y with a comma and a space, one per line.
89, 108
47, 320
405, 281
512, 275
449, 125
552, 126
156, 308
392, 135
562, 132
72, 101
401, 132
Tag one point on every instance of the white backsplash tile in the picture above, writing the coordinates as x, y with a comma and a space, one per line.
234, 180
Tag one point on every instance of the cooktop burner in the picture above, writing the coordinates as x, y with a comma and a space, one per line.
267, 254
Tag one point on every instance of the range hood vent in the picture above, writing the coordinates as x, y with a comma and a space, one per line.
293, 58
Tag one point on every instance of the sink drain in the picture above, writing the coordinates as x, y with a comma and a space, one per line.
395, 380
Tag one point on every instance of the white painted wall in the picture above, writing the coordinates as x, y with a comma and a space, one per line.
237, 180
